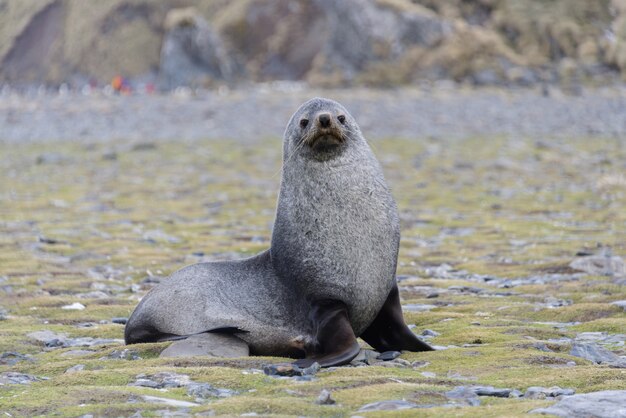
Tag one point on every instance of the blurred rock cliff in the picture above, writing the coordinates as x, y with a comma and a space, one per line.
323, 42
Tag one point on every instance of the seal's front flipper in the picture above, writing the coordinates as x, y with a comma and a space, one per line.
335, 340
389, 332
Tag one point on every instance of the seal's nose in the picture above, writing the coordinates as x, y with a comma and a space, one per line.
324, 119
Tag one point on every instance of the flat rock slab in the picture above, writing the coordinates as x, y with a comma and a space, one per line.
597, 354
392, 405
214, 345
604, 404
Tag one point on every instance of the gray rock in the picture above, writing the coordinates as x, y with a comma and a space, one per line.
11, 357
192, 52
77, 353
604, 264
388, 355
15, 378
290, 369
491, 391
430, 333
620, 303
418, 307
325, 398
464, 395
125, 354
393, 405
206, 391
76, 368
604, 404
597, 354
365, 357
120, 320
215, 345
162, 380
169, 402
538, 392
158, 236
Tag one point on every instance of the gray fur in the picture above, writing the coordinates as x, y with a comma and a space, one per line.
336, 236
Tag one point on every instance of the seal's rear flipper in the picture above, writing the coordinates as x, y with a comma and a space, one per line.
389, 332
335, 340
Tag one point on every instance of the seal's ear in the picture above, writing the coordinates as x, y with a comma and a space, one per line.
389, 332
335, 340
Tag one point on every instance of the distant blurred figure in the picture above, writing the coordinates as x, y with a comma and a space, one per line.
120, 85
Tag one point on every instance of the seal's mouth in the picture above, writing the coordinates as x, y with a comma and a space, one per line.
328, 138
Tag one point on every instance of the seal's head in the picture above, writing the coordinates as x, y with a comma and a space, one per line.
320, 129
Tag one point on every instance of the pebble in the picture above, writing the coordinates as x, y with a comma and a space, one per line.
393, 405
120, 320
388, 355
206, 391
169, 402
11, 357
538, 392
76, 306
290, 370
417, 307
76, 368
430, 333
365, 357
324, 398
125, 354
15, 378
161, 380
620, 303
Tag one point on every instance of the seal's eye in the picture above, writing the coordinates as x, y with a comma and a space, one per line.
304, 123
342, 119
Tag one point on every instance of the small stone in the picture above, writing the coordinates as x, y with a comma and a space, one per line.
77, 353
420, 363
365, 357
125, 354
388, 355
325, 398
15, 378
429, 375
290, 369
392, 405
463, 395
119, 320
208, 344
76, 368
206, 391
620, 303
11, 357
417, 307
430, 333
76, 306
169, 402
146, 383
491, 391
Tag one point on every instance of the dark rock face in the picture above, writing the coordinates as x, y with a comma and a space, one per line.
192, 52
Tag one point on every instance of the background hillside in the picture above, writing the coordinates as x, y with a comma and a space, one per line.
325, 43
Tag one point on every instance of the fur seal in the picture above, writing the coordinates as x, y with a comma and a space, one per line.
329, 275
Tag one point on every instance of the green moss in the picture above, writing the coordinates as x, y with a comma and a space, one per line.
219, 200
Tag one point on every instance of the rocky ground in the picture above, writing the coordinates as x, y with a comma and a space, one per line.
511, 260
261, 111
